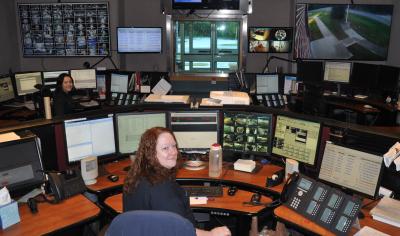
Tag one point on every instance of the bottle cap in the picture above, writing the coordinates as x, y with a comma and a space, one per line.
215, 146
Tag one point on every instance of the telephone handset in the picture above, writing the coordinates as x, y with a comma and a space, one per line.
289, 186
65, 185
322, 204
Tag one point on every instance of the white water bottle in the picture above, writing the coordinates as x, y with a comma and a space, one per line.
215, 160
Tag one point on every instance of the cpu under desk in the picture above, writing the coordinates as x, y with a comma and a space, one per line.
299, 222
54, 217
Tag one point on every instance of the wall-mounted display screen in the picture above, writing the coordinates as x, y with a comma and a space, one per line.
270, 39
139, 40
64, 29
342, 31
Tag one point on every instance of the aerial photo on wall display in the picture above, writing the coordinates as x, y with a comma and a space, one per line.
342, 31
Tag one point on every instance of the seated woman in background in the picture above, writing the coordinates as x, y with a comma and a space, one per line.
63, 103
150, 183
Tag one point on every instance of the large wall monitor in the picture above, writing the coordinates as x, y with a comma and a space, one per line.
89, 137
267, 83
64, 29
270, 39
195, 130
139, 40
131, 126
342, 31
6, 89
26, 82
84, 79
119, 83
21, 166
351, 169
296, 139
338, 72
247, 132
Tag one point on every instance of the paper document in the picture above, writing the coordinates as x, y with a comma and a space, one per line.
198, 200
8, 137
231, 97
162, 87
387, 211
391, 154
168, 98
368, 231
210, 102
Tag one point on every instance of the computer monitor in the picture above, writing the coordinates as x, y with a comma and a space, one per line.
84, 79
364, 76
309, 71
352, 169
289, 84
21, 168
26, 82
50, 78
87, 137
338, 72
388, 79
296, 139
195, 130
267, 83
139, 39
6, 89
131, 126
247, 133
119, 83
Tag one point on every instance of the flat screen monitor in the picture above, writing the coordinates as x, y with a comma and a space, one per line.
26, 82
310, 71
119, 83
6, 89
195, 130
21, 168
131, 126
338, 72
84, 79
139, 40
296, 139
270, 39
364, 75
388, 79
50, 78
352, 169
342, 31
289, 84
86, 137
247, 132
267, 83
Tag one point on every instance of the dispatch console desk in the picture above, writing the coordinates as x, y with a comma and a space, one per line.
54, 218
247, 183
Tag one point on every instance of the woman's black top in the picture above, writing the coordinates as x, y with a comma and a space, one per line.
62, 103
164, 196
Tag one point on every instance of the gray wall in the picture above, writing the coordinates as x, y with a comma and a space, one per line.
148, 13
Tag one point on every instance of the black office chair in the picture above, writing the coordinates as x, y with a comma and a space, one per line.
150, 223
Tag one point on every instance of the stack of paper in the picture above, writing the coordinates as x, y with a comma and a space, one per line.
387, 211
231, 97
168, 98
244, 165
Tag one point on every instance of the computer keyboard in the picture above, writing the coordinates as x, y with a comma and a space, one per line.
203, 191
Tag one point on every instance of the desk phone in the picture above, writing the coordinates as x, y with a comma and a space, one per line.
124, 99
326, 206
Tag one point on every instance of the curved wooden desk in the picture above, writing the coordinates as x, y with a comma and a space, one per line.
53, 217
233, 204
289, 216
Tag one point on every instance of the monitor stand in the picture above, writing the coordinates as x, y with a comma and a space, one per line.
338, 90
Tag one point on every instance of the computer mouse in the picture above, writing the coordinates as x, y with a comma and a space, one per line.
113, 178
367, 106
232, 190
255, 199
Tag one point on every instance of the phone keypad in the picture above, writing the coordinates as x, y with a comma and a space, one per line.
295, 202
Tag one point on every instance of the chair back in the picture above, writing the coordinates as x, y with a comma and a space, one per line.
150, 223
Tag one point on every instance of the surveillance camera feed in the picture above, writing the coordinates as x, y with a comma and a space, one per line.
270, 39
342, 31
247, 132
